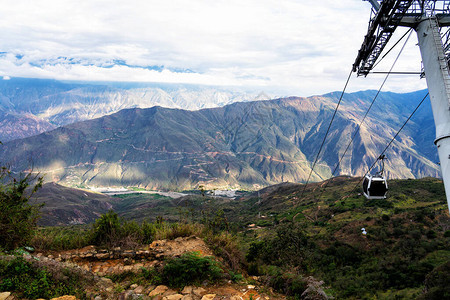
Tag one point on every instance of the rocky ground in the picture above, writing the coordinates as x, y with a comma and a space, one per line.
97, 264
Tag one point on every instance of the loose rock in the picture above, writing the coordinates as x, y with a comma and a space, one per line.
65, 298
4, 295
160, 289
200, 292
187, 290
173, 297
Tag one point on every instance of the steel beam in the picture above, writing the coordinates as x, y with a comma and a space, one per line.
374, 3
381, 28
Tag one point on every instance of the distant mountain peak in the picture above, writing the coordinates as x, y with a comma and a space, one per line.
262, 96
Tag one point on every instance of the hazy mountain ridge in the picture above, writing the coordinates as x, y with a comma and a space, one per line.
15, 126
246, 145
60, 103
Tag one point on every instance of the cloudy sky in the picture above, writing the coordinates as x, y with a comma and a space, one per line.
296, 47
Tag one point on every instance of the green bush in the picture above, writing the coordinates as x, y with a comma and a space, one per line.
225, 246
285, 282
190, 268
31, 282
148, 232
17, 217
437, 283
289, 246
254, 269
254, 250
216, 222
152, 275
106, 229
61, 238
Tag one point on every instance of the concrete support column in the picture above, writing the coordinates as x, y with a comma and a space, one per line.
438, 81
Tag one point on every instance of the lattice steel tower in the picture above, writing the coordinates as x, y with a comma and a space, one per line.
426, 18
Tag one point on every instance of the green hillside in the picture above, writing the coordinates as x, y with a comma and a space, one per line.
407, 241
288, 233
64, 206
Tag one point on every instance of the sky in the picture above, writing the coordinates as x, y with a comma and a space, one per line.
292, 47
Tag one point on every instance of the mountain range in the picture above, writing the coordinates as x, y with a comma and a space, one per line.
32, 106
240, 145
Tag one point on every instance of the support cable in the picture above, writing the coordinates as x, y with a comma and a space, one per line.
392, 48
328, 130
397, 73
389, 144
365, 115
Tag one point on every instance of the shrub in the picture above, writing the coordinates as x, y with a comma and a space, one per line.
172, 231
437, 283
431, 234
152, 275
148, 232
285, 282
111, 231
190, 268
288, 247
254, 250
106, 229
216, 222
225, 246
32, 282
17, 217
61, 238
254, 269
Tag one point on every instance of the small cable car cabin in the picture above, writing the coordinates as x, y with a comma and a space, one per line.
375, 186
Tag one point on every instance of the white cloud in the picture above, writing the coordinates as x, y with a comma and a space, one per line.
303, 47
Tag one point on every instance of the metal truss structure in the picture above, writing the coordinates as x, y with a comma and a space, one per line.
387, 16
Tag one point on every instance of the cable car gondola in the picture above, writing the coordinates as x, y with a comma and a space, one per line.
375, 186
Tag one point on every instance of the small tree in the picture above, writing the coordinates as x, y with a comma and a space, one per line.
17, 217
107, 229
